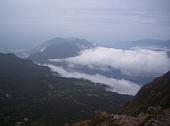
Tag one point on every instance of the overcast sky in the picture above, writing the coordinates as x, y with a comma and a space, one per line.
97, 20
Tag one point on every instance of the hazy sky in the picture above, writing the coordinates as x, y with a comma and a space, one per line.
97, 20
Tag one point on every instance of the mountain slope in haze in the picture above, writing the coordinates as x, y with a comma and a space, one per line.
11, 65
59, 48
32, 95
156, 93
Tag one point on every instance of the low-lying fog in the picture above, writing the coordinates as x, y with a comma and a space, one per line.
137, 62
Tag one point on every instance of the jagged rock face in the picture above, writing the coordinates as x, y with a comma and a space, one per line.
156, 93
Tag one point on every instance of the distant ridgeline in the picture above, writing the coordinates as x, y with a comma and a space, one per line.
32, 95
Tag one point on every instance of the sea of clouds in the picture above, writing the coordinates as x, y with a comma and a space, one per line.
130, 62
133, 62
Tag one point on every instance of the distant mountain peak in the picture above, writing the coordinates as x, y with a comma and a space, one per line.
58, 48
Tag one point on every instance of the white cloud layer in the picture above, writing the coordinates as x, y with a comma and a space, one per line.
119, 86
139, 62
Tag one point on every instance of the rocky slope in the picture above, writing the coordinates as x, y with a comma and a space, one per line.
156, 118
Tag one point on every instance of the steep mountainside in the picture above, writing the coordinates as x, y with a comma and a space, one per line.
156, 93
32, 95
59, 48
